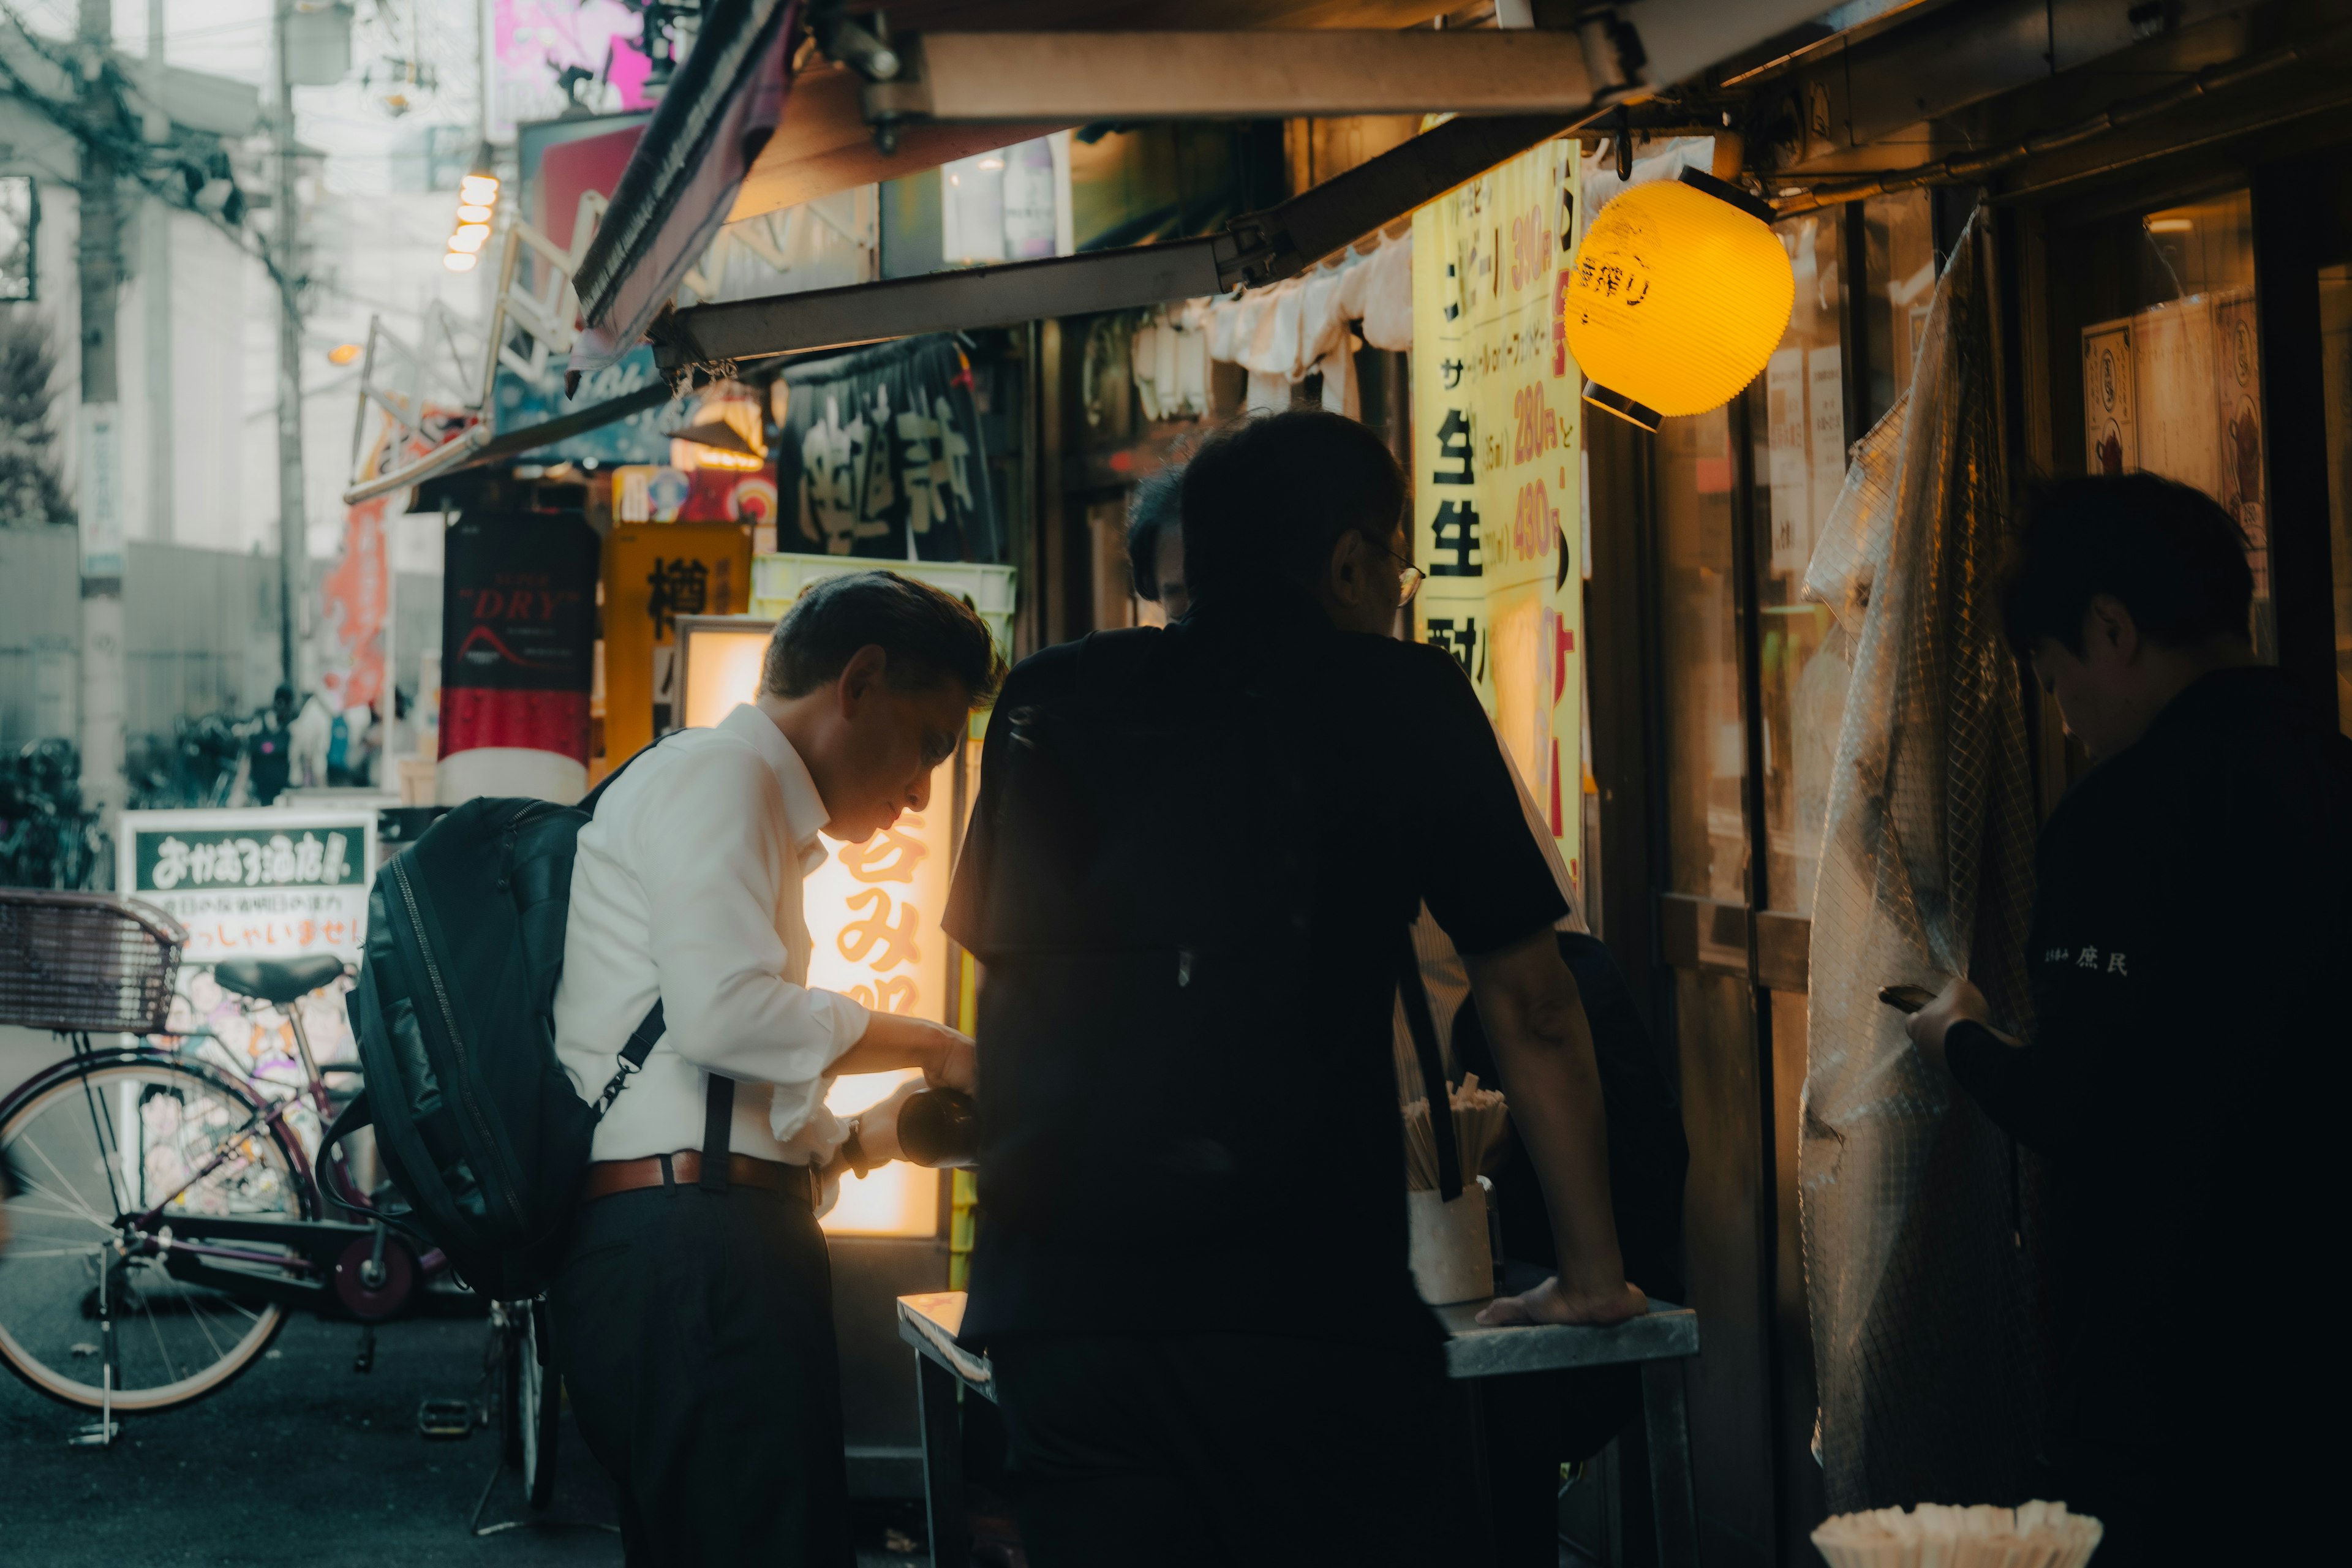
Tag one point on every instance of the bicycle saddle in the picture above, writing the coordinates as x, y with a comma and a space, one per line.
278, 980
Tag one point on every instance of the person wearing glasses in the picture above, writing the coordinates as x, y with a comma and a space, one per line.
1192, 1272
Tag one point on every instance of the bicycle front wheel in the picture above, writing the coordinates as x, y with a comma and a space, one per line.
93, 1144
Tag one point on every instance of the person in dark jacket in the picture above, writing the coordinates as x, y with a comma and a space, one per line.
1155, 538
2189, 914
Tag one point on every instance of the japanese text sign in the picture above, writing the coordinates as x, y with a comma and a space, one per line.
881, 456
1497, 476
873, 912
254, 884
654, 573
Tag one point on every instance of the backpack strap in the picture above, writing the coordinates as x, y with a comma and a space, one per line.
641, 1040
719, 1102
1433, 1069
588, 802
648, 1031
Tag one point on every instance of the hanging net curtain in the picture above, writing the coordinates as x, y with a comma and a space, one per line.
1916, 1219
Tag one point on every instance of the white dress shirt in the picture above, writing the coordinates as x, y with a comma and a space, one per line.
687, 885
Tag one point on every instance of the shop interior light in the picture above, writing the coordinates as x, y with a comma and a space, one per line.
1676, 297
2170, 225
343, 353
459, 261
481, 189
470, 237
471, 212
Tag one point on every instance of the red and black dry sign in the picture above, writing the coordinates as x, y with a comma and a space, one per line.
518, 633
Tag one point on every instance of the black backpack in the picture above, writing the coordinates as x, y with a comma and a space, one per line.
477, 1124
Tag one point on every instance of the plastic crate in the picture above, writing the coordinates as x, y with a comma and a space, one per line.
86, 962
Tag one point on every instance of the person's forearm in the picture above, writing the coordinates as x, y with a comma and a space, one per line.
1545, 1052
895, 1042
892, 1042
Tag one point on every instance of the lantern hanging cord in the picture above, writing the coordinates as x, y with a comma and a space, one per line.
1962, 168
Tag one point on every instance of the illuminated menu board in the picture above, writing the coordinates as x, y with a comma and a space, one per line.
873, 912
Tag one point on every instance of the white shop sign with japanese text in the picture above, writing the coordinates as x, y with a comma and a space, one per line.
254, 884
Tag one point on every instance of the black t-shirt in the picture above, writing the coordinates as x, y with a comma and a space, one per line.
2184, 1073
1190, 873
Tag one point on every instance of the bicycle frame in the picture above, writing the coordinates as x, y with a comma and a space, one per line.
317, 1244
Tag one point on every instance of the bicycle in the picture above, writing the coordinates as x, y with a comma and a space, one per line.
160, 1201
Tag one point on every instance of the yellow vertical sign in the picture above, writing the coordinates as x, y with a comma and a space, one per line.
1496, 481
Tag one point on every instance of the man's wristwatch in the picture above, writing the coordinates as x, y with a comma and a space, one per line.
854, 1151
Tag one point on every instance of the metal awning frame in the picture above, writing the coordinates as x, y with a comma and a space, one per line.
1022, 78
1255, 249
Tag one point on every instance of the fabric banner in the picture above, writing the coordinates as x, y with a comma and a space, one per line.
881, 457
356, 601
517, 634
1497, 487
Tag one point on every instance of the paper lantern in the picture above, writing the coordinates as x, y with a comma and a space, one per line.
1676, 297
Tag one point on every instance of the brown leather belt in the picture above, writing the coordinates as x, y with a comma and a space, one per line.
606, 1177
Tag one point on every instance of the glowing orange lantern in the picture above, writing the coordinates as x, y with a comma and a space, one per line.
1676, 297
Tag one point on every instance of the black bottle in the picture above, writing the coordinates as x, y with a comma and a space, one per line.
939, 1128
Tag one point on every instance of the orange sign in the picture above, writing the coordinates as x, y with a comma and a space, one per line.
654, 573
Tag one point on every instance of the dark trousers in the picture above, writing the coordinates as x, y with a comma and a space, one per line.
694, 1331
1153, 1451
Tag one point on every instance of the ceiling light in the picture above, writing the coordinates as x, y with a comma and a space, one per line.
479, 189
2170, 225
472, 213
470, 237
459, 261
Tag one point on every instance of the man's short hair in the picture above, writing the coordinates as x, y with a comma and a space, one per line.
1156, 505
2168, 550
928, 636
1269, 496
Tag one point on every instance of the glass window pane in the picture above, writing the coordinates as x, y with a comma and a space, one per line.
1706, 748
2336, 362
1797, 416
2172, 363
1899, 237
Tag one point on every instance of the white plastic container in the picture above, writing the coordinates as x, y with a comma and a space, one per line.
1452, 1260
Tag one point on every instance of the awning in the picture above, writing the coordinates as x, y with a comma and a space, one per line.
731, 140
720, 110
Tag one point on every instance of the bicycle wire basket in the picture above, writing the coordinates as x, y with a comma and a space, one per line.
86, 962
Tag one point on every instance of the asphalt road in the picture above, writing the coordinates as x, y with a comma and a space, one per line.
303, 1462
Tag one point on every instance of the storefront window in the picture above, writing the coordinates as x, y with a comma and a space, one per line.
1899, 239
2335, 360
1796, 414
1706, 752
2172, 363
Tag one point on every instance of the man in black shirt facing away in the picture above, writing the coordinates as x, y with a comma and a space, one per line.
1190, 1269
2188, 937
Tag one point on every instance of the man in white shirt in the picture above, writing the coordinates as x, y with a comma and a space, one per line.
693, 1316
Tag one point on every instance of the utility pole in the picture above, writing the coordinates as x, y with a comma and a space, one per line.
293, 533
155, 288
97, 449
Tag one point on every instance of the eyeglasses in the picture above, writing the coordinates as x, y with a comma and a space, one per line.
1410, 577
